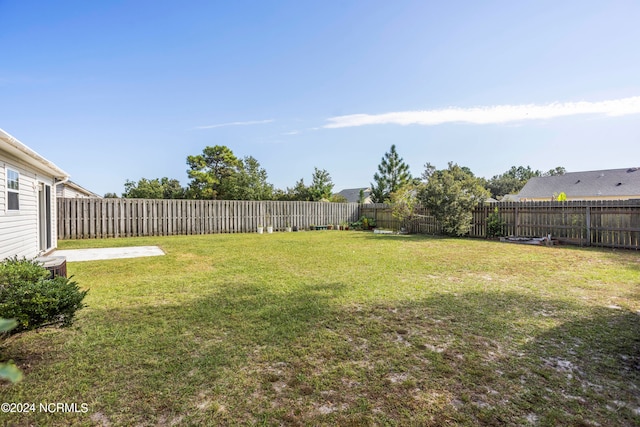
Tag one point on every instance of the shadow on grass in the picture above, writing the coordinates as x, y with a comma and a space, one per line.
592, 364
243, 354
491, 358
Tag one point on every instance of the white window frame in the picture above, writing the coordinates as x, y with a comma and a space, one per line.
10, 190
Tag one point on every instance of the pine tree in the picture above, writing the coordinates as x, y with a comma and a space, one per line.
212, 172
321, 185
393, 173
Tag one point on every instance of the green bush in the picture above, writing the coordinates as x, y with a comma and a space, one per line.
33, 299
13, 270
9, 371
495, 225
363, 223
450, 195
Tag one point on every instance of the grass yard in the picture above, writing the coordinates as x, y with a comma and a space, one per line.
341, 328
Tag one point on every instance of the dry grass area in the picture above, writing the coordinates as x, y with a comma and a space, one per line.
342, 328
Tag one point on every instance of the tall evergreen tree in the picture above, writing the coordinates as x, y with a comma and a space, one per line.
393, 173
321, 185
320, 189
212, 173
250, 183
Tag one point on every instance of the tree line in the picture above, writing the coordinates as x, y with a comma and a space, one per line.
450, 194
217, 173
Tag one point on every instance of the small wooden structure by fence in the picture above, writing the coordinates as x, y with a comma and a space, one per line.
605, 223
101, 218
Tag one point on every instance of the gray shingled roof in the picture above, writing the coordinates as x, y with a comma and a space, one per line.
624, 183
353, 194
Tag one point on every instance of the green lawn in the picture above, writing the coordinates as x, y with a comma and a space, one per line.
341, 328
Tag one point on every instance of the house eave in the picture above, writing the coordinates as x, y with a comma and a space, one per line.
17, 149
82, 190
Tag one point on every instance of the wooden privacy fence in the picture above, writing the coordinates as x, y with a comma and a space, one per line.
422, 223
101, 218
613, 224
609, 223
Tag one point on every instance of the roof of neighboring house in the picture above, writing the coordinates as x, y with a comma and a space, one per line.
600, 183
510, 198
353, 194
16, 148
80, 189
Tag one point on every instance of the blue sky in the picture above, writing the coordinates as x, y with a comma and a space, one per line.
116, 90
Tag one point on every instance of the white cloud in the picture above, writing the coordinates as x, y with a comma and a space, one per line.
495, 114
252, 122
293, 132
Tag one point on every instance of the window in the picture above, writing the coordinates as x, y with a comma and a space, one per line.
13, 190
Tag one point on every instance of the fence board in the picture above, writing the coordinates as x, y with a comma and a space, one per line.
613, 224
108, 218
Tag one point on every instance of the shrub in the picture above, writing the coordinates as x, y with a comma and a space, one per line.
9, 371
363, 223
451, 195
33, 299
495, 224
404, 202
13, 270
562, 197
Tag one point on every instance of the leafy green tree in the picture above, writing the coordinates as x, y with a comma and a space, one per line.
171, 189
321, 185
250, 183
392, 174
450, 195
280, 194
559, 170
299, 192
143, 189
512, 181
320, 189
404, 202
212, 173
110, 196
157, 188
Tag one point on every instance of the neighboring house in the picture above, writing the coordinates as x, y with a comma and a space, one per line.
353, 194
27, 200
611, 184
510, 198
70, 189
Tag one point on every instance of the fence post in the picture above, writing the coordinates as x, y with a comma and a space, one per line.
614, 223
588, 221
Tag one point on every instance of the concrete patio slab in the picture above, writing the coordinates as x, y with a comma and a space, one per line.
74, 255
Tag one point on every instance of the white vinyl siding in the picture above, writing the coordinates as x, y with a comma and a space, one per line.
2, 190
19, 230
64, 191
